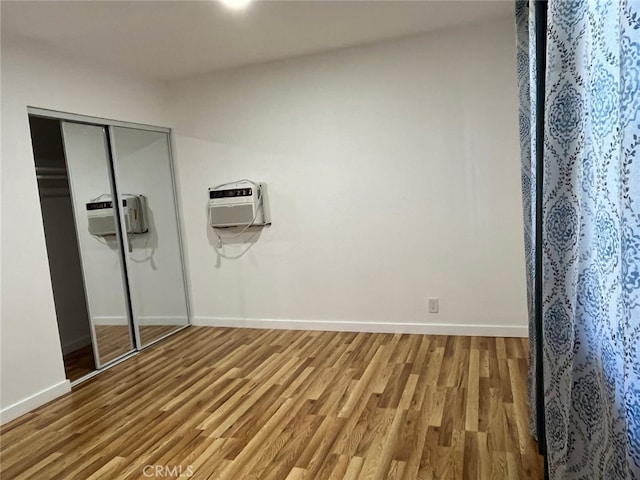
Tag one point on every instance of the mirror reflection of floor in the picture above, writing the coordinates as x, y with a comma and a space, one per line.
79, 363
113, 341
149, 333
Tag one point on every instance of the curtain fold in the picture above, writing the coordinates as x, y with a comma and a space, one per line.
526, 68
591, 238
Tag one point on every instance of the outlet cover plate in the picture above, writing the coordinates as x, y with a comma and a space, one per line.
433, 305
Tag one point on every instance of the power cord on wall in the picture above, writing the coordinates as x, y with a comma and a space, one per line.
99, 197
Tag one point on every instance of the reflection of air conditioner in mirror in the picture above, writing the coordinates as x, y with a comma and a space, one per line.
102, 221
239, 204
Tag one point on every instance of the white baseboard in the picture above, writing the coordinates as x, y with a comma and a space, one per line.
373, 327
146, 320
109, 320
170, 320
76, 344
34, 401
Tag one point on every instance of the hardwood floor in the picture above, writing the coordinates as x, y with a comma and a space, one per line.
265, 404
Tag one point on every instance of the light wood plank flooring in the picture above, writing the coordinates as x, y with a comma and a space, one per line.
242, 404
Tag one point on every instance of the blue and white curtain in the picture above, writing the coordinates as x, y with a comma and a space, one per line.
590, 236
526, 54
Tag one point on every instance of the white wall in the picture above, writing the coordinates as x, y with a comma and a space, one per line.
393, 171
31, 362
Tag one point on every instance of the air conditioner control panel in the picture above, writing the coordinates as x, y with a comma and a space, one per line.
231, 193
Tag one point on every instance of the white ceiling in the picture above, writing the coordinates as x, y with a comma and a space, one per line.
174, 39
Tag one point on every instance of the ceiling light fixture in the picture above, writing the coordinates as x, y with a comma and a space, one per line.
235, 4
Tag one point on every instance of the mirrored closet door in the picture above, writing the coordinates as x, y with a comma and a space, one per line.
143, 167
92, 191
111, 224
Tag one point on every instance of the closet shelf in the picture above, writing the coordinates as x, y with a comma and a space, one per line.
62, 170
51, 177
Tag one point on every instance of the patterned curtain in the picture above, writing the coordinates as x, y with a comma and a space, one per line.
526, 62
591, 239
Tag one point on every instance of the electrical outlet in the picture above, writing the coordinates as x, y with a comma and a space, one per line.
433, 305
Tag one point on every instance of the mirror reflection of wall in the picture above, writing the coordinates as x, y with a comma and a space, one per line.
156, 278
88, 161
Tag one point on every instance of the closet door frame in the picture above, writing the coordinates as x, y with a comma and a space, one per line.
103, 122
124, 240
108, 126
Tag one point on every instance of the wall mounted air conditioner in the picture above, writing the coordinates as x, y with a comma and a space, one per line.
102, 221
239, 204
